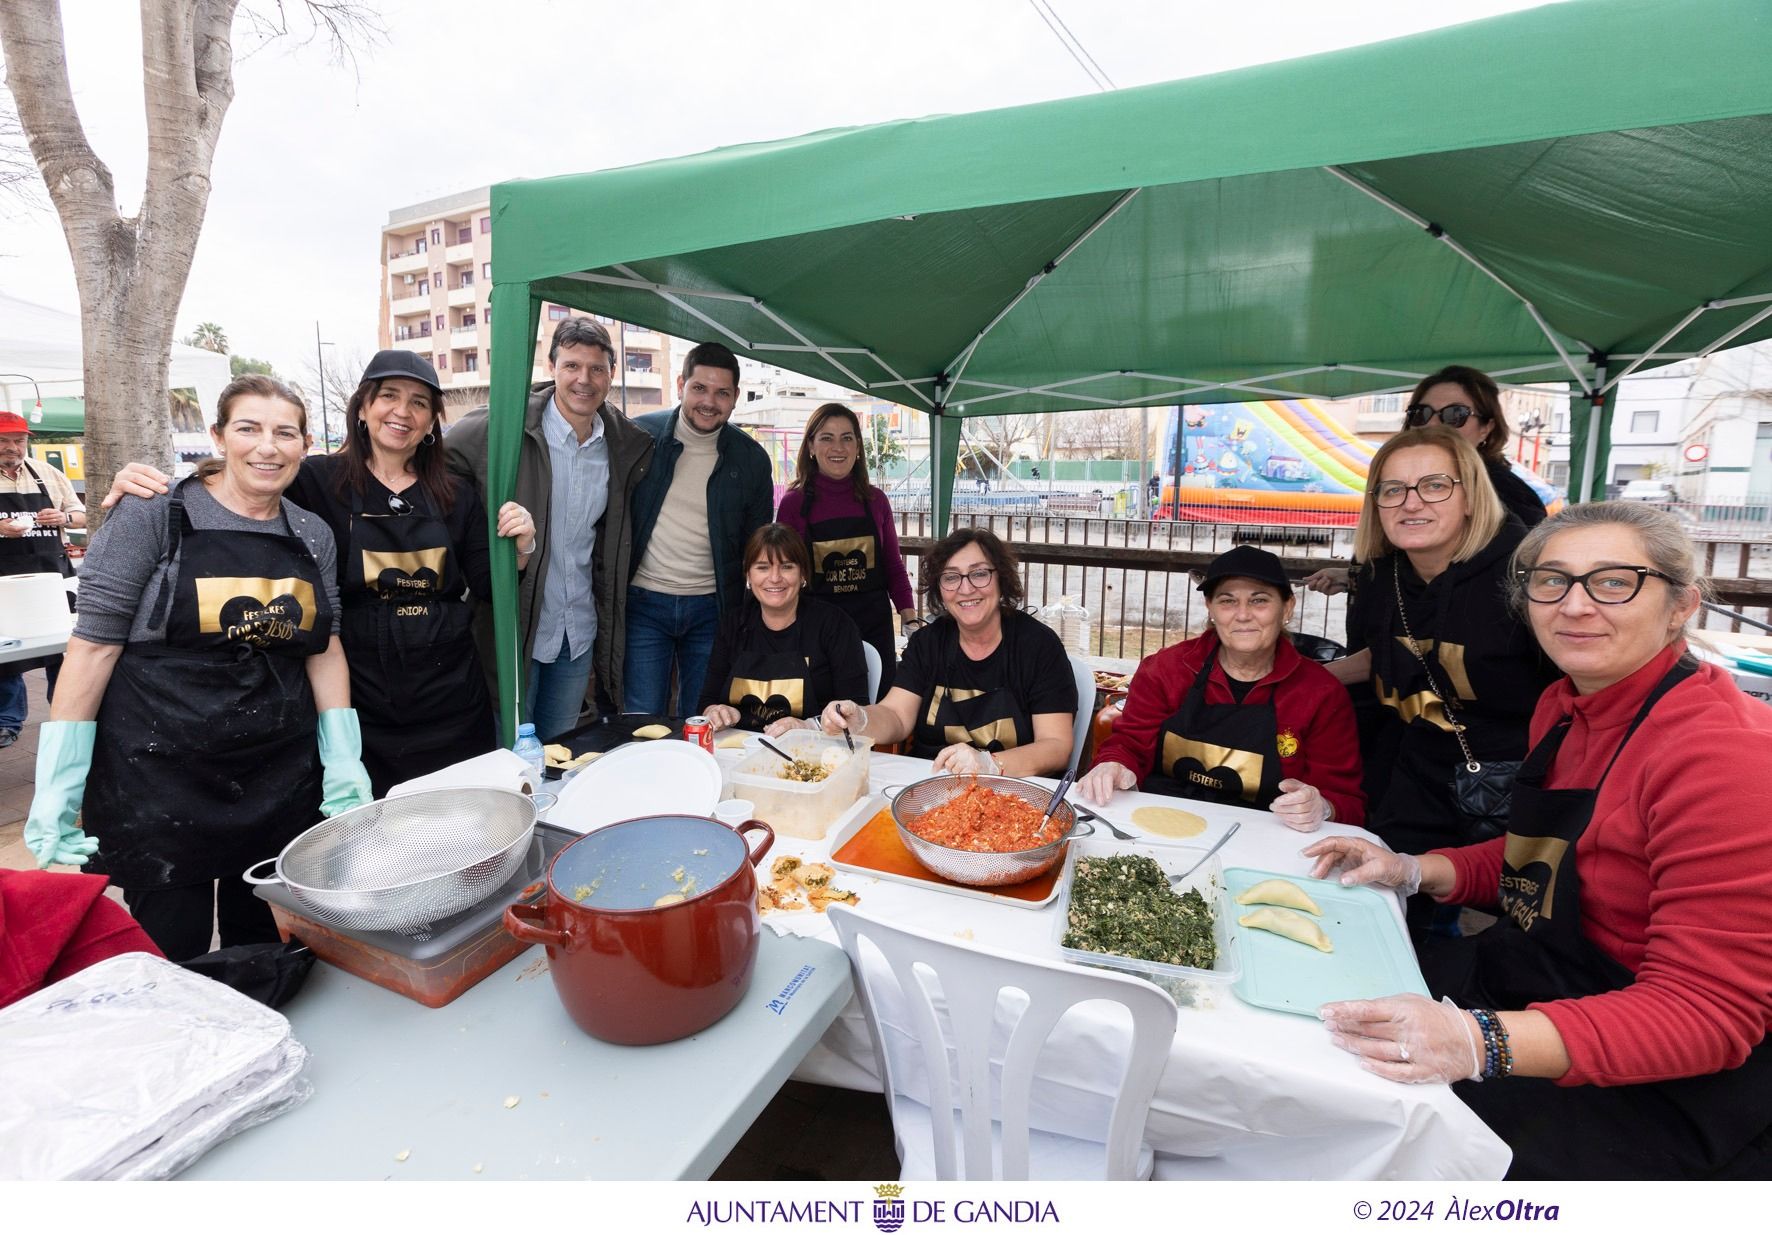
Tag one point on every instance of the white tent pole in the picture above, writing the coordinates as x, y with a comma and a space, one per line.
678, 302
823, 354
1749, 324
1656, 347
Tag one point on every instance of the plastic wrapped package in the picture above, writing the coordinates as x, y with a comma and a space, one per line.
134, 1067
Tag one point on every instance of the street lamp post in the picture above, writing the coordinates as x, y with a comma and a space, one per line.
320, 372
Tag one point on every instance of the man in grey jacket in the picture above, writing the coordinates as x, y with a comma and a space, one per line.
578, 466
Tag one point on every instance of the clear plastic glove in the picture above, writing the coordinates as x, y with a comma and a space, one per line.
841, 714
721, 716
64, 756
1300, 806
963, 760
1099, 783
1362, 862
136, 480
788, 724
1408, 1038
344, 782
1331, 580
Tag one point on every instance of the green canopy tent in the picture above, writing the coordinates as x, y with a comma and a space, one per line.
1573, 193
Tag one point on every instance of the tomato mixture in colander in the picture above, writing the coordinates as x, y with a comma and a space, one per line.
984, 821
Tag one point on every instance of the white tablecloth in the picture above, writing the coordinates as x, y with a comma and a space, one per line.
1248, 1093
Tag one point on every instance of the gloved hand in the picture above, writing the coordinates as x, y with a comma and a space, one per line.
1408, 1038
64, 756
963, 760
1362, 862
1300, 806
344, 783
788, 724
1098, 784
841, 714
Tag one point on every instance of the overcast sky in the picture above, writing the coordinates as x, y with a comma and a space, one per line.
464, 93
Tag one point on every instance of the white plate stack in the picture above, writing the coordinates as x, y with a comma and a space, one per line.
133, 1068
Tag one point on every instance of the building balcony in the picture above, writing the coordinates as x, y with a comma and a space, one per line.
462, 297
420, 343
456, 254
466, 379
640, 379
407, 263
463, 336
637, 339
406, 306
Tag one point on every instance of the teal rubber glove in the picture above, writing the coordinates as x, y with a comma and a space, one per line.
344, 783
64, 756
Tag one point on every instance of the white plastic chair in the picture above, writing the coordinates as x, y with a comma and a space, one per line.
958, 1117
1085, 706
871, 654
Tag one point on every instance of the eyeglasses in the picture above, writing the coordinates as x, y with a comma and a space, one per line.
1435, 488
398, 505
1452, 415
1608, 585
979, 577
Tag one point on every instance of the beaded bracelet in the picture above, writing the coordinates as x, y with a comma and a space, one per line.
1498, 1053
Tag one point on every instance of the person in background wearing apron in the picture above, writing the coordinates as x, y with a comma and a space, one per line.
204, 710
983, 688
37, 504
1237, 716
1618, 1008
849, 531
780, 656
413, 554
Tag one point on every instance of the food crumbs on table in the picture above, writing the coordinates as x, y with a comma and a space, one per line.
700, 853
512, 1101
1124, 905
403, 1155
478, 1167
542, 1094
678, 874
965, 934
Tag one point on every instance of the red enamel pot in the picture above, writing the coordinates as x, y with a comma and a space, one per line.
650, 925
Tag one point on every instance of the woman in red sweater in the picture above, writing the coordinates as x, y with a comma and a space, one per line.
1620, 1005
1237, 715
847, 523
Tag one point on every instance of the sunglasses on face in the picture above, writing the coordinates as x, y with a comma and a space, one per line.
1452, 415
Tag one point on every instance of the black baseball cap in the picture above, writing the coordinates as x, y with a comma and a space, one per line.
1246, 562
398, 362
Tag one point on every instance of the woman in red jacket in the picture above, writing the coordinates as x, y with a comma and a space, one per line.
1620, 1005
1237, 715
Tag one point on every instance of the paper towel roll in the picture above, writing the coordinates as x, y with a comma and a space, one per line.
33, 605
501, 769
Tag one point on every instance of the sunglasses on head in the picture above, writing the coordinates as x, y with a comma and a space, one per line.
1452, 415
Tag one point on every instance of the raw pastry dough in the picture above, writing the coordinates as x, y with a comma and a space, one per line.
649, 732
731, 741
1290, 925
1168, 821
1278, 892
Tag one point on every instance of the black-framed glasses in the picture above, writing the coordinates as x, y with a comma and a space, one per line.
1435, 488
979, 577
1607, 585
1452, 415
398, 505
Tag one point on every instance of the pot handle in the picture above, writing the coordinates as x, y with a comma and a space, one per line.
755, 825
891, 792
249, 877
1081, 827
521, 921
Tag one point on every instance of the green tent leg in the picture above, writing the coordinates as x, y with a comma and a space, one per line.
944, 449
1590, 417
513, 337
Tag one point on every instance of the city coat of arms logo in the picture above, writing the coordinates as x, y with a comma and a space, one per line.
888, 1207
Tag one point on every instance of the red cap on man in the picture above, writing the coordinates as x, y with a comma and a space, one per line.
12, 422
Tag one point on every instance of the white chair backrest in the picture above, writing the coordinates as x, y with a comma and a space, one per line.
871, 654
971, 980
1085, 706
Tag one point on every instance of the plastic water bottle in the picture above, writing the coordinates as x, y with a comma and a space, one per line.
528, 749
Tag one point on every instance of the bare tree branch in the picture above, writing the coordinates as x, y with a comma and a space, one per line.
18, 170
343, 26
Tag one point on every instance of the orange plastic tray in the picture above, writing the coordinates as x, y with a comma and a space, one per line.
875, 848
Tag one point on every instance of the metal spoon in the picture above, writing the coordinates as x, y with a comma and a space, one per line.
1219, 844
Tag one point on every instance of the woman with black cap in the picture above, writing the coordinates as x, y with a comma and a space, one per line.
412, 542
1237, 715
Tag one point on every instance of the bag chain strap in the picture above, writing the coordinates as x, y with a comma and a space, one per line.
1470, 761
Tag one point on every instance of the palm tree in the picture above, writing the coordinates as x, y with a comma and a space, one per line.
210, 337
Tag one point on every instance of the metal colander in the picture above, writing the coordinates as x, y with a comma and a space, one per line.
406, 861
983, 870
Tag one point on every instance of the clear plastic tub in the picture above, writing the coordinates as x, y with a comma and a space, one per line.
1189, 987
805, 809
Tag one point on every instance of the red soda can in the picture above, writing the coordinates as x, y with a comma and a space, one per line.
700, 730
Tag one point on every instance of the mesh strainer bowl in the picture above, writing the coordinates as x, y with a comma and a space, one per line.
983, 870
406, 861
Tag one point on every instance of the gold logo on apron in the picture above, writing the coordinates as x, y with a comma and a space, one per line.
268, 620
1246, 764
1422, 703
1001, 732
846, 576
407, 563
791, 689
1520, 891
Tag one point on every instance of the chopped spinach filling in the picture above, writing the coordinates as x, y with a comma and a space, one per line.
1124, 905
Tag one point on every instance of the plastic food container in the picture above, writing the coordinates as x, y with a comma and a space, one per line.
1189, 987
805, 809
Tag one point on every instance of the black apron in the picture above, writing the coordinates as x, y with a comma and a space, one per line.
992, 720
407, 632
1537, 952
38, 551
207, 758
848, 571
767, 685
1219, 752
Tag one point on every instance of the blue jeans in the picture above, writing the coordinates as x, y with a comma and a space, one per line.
663, 631
556, 691
15, 697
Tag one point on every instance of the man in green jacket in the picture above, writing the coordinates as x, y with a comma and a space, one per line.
708, 488
580, 462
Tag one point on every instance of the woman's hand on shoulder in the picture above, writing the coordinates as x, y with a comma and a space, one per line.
1099, 784
136, 480
1330, 581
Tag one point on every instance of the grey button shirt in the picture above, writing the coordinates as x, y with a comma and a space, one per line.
577, 501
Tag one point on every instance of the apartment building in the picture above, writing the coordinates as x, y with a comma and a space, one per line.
436, 284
